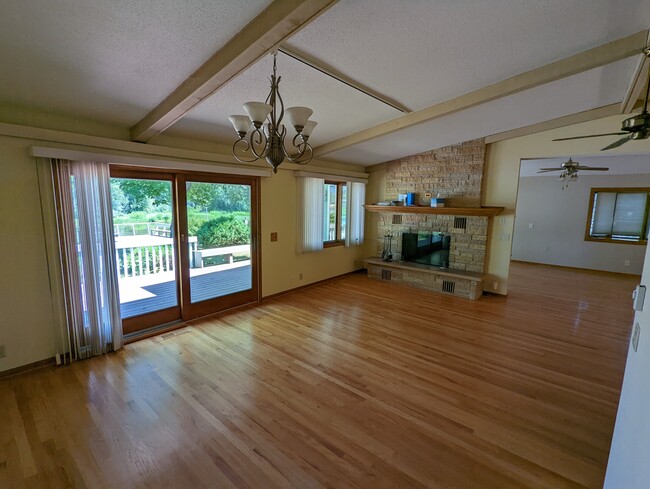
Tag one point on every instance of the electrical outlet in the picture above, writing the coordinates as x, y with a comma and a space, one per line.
274, 236
300, 276
495, 284
504, 237
627, 263
531, 225
502, 220
3, 351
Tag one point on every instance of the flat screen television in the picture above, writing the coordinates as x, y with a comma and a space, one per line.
426, 248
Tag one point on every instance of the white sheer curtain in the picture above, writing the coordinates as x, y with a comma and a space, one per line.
88, 258
310, 214
355, 213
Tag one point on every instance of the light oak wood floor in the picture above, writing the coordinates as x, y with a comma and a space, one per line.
349, 384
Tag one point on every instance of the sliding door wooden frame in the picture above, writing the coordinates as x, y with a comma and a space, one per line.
148, 320
179, 178
194, 310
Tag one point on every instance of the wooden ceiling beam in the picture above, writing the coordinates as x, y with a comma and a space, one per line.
638, 83
332, 72
281, 19
567, 120
584, 61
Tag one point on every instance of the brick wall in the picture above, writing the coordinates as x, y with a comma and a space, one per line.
468, 245
456, 172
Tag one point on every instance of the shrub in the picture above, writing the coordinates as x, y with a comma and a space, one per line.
223, 231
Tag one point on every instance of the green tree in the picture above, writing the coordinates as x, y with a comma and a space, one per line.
120, 202
208, 197
145, 195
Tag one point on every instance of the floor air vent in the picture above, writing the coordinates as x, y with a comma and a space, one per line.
385, 274
460, 223
448, 286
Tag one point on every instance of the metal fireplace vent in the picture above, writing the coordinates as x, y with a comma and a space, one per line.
386, 274
460, 223
448, 286
397, 218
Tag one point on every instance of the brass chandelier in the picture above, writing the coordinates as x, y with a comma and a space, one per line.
266, 140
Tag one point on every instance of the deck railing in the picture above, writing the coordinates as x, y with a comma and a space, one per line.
134, 261
163, 229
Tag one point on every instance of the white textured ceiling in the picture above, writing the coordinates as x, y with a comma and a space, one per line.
422, 52
115, 60
111, 60
594, 88
338, 109
617, 164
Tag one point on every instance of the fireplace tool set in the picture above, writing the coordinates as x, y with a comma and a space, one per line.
387, 253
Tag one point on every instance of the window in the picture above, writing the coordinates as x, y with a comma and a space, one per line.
334, 212
618, 215
331, 213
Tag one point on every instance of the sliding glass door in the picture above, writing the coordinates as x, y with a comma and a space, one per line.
144, 230
220, 269
184, 244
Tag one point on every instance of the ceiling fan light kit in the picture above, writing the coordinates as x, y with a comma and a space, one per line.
633, 128
570, 170
267, 140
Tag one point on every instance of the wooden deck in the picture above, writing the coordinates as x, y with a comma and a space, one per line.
203, 286
351, 384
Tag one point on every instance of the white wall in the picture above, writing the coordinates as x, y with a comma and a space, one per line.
629, 458
501, 178
559, 220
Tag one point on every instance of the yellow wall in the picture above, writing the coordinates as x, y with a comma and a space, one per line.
281, 266
375, 192
27, 326
501, 179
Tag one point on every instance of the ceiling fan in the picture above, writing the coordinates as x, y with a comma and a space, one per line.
634, 128
570, 169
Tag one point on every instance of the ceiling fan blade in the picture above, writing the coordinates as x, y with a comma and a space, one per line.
545, 170
618, 143
592, 136
593, 168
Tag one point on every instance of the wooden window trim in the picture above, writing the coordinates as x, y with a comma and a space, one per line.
339, 197
619, 190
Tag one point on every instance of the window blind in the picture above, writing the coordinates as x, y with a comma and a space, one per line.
603, 214
629, 215
310, 215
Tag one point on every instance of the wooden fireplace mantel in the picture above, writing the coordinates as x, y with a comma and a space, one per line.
449, 211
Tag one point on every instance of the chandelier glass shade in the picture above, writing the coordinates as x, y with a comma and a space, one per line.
266, 132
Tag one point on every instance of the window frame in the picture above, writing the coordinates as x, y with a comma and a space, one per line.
339, 212
618, 190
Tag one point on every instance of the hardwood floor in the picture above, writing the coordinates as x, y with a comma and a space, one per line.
349, 384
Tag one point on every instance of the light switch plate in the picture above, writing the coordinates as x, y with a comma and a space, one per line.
639, 297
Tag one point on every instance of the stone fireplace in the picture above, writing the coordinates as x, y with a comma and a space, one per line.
455, 173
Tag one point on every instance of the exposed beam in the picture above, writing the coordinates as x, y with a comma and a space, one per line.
637, 84
337, 75
568, 120
278, 21
584, 61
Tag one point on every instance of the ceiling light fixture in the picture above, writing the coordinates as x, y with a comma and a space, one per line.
267, 140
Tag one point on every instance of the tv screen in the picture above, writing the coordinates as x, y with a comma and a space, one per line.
426, 248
